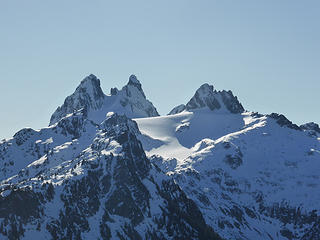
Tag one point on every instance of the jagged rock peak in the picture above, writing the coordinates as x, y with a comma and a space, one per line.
91, 86
90, 79
207, 96
130, 100
88, 95
283, 121
205, 89
133, 81
311, 126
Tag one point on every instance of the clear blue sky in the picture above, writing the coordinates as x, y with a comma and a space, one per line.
267, 52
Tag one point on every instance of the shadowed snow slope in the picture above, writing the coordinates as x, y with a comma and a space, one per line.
180, 132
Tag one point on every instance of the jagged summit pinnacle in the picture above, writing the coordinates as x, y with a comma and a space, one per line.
88, 95
90, 77
207, 96
130, 100
91, 85
205, 88
133, 80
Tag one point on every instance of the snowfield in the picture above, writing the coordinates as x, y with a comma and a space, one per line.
241, 161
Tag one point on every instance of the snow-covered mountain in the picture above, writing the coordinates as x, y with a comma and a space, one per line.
95, 182
130, 100
251, 176
208, 169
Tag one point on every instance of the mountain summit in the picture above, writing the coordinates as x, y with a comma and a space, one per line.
130, 100
207, 97
135, 82
88, 96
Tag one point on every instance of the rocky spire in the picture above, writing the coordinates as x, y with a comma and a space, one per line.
130, 100
207, 96
134, 99
134, 82
311, 126
88, 95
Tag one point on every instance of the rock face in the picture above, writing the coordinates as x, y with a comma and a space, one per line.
283, 121
130, 100
207, 97
106, 189
311, 126
87, 96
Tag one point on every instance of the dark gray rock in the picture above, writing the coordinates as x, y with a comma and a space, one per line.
88, 95
206, 96
311, 126
90, 98
283, 121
